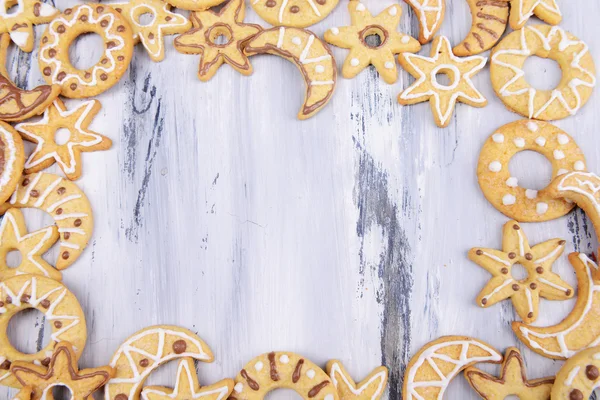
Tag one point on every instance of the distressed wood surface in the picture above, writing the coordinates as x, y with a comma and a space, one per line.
343, 236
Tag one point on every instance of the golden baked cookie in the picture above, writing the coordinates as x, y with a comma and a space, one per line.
281, 370
67, 154
521, 10
73, 22
537, 261
60, 308
209, 28
362, 53
61, 370
489, 20
508, 77
293, 13
312, 57
579, 376
431, 370
19, 23
512, 381
32, 246
370, 388
12, 159
430, 14
187, 386
24, 394
66, 203
145, 351
164, 22
441, 97
503, 190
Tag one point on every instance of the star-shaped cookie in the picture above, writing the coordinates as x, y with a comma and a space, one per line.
62, 370
14, 236
218, 37
512, 381
163, 22
68, 154
19, 23
442, 97
537, 261
521, 10
363, 53
187, 386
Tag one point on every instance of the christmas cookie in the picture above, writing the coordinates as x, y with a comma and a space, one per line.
441, 97
60, 308
66, 203
12, 159
430, 14
312, 57
61, 370
19, 24
512, 381
537, 261
32, 246
580, 329
73, 22
163, 22
579, 376
489, 20
521, 10
371, 388
278, 370
431, 370
362, 52
187, 386
211, 26
503, 190
145, 351
67, 154
576, 63
293, 13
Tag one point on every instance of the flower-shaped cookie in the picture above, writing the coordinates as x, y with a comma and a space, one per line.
19, 24
382, 28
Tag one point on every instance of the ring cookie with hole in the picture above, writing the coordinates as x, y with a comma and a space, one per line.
371, 388
60, 308
63, 30
522, 10
151, 34
431, 370
489, 20
578, 377
12, 160
61, 370
19, 23
572, 55
293, 13
441, 97
279, 370
430, 14
537, 261
362, 53
503, 190
66, 203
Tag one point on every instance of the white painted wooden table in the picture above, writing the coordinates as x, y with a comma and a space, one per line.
341, 236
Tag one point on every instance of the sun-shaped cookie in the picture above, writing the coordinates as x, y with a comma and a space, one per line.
442, 97
537, 261
362, 52
19, 24
217, 37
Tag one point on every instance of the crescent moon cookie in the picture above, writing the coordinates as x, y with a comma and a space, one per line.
521, 10
73, 22
512, 381
19, 24
61, 370
145, 351
60, 308
431, 370
371, 388
31, 246
489, 20
279, 370
537, 261
164, 22
66, 203
12, 159
578, 377
205, 39
67, 154
508, 78
312, 57
503, 191
362, 53
293, 13
430, 14
442, 97
580, 329
187, 386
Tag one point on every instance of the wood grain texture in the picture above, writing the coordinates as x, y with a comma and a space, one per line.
343, 236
